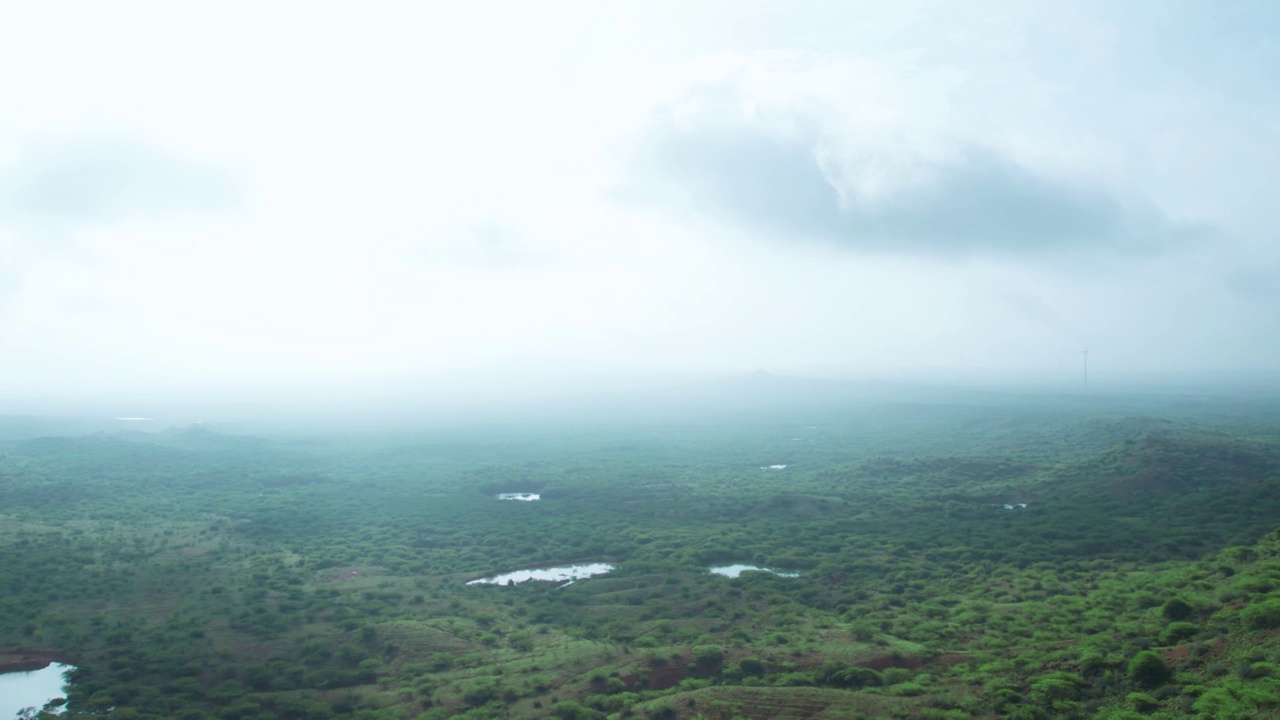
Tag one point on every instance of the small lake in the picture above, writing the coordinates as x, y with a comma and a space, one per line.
520, 497
20, 690
734, 571
548, 574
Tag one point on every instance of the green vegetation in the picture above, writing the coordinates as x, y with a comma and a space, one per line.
195, 574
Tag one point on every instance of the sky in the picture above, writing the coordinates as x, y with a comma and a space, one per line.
203, 197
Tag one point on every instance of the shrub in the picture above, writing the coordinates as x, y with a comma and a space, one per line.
1262, 616
894, 675
1148, 669
570, 710
1142, 702
750, 667
831, 671
1056, 686
1219, 703
1176, 632
837, 673
480, 692
908, 689
707, 654
1177, 609
664, 712
864, 677
795, 679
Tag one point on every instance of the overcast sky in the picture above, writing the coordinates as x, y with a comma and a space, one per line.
222, 194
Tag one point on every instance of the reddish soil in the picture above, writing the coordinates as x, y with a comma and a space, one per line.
659, 678
26, 660
947, 660
883, 662
1177, 655
1182, 654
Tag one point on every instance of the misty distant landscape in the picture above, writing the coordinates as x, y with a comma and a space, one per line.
640, 360
906, 552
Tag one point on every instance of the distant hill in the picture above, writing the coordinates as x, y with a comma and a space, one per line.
1158, 466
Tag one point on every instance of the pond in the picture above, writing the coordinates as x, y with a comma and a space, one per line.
19, 690
734, 571
524, 497
547, 574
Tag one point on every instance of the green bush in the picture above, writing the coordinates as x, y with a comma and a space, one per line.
663, 712
570, 710
1221, 703
708, 654
1262, 616
794, 679
908, 689
850, 677
893, 676
1142, 702
750, 667
1176, 632
1177, 609
1148, 669
480, 692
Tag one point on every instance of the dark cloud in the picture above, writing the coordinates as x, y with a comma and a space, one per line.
982, 203
63, 186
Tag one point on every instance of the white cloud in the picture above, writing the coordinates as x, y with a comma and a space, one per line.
424, 186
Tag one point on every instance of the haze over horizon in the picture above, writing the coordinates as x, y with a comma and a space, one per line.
218, 198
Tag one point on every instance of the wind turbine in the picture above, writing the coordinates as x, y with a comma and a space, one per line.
1086, 371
